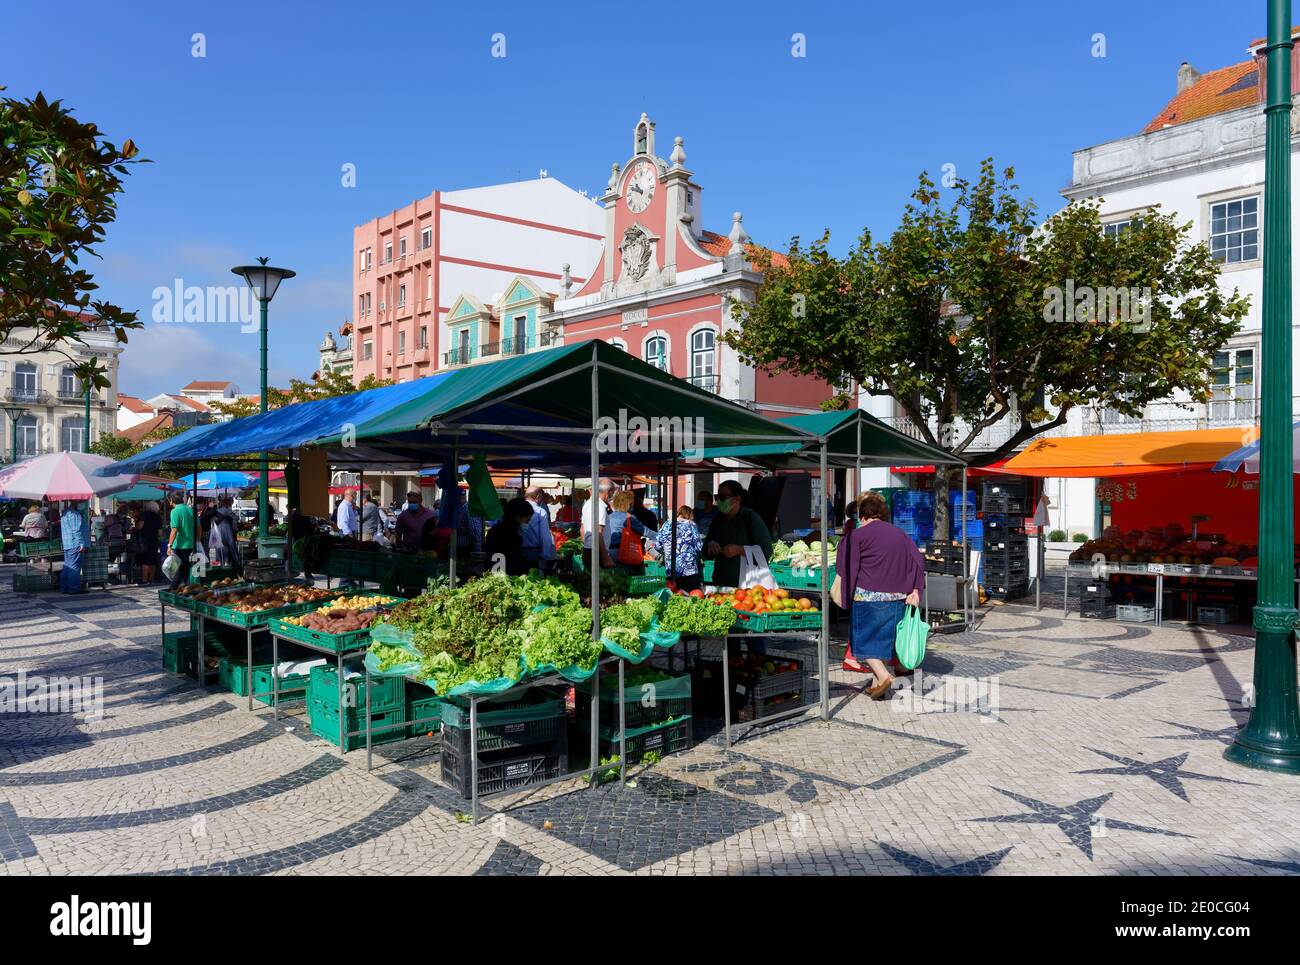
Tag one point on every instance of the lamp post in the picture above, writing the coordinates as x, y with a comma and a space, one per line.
15, 412
1271, 737
264, 280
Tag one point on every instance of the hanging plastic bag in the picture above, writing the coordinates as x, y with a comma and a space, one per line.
754, 570
483, 500
909, 638
171, 566
629, 546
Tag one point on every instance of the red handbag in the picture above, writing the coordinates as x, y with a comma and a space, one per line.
629, 546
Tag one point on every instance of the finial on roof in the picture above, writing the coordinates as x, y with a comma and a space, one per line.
739, 237
565, 281
613, 177
678, 157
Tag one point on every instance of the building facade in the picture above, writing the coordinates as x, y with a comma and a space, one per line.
44, 385
336, 356
412, 264
664, 287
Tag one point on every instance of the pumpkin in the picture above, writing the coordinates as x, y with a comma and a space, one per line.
1225, 561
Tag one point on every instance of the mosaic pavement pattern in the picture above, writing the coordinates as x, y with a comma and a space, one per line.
1032, 744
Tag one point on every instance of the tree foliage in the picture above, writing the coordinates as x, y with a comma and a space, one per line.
59, 182
323, 385
970, 314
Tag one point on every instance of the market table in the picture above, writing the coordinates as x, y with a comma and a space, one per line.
1158, 571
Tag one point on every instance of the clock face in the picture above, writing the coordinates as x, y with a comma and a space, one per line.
640, 187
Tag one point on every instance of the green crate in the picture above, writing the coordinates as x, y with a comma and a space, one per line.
793, 620
706, 571
180, 652
40, 549
641, 585
655, 568
334, 642
672, 698
791, 579
324, 722
422, 704
233, 676
35, 582
386, 693
539, 706
259, 619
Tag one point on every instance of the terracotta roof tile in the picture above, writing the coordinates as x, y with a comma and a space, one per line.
206, 386
137, 433
1214, 92
133, 404
718, 246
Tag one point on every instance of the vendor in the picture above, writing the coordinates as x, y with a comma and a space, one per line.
734, 528
34, 524
504, 546
411, 521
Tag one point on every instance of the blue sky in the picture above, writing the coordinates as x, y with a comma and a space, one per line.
248, 141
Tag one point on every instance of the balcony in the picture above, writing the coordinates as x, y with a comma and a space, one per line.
707, 382
549, 338
1180, 416
71, 393
24, 394
508, 346
462, 355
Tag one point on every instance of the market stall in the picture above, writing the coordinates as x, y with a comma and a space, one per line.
540, 411
1180, 534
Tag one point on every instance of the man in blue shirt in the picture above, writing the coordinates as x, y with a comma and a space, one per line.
349, 522
72, 526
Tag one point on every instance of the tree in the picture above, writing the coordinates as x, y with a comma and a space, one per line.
322, 385
971, 314
59, 181
114, 446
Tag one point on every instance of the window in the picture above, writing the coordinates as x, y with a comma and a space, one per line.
361, 305
367, 350
1234, 230
25, 381
401, 247
401, 343
72, 434
68, 387
703, 365
422, 339
401, 296
426, 238
28, 436
519, 335
388, 252
656, 352
361, 261
1232, 396
1115, 228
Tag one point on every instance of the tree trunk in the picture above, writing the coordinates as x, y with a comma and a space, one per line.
941, 522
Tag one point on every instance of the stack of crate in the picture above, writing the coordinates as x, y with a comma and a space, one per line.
656, 711
1004, 569
1096, 602
387, 707
943, 557
913, 513
520, 742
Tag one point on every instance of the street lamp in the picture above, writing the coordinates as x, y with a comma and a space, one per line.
264, 280
1271, 737
15, 413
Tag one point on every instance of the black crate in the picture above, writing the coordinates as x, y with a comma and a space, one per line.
503, 770
1007, 591
1000, 487
537, 719
1006, 506
635, 712
748, 689
1099, 609
664, 739
1015, 573
1096, 590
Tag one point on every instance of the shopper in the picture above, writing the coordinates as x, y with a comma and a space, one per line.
72, 528
34, 524
538, 542
705, 511
372, 518
224, 541
596, 514
643, 512
146, 531
682, 562
566, 513
621, 525
882, 570
180, 542
411, 521
504, 545
732, 529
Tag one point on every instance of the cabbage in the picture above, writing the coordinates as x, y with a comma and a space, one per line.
799, 547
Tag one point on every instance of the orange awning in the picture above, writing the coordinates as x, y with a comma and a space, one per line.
1127, 454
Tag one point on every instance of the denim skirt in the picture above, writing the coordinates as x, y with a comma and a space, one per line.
873, 628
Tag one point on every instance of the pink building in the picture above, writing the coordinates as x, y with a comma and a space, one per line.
412, 265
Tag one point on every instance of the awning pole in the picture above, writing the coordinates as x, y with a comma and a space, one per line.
454, 495
965, 556
597, 541
672, 522
823, 657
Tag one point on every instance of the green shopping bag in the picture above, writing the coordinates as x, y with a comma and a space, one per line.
483, 500
909, 638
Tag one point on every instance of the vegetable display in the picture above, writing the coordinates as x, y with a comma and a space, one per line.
265, 598
344, 615
801, 555
695, 616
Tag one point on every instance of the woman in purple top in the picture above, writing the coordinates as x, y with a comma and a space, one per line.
880, 571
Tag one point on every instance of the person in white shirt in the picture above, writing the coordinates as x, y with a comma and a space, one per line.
538, 542
594, 514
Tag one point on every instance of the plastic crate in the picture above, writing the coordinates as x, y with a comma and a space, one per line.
233, 675
790, 578
38, 582
503, 770
666, 737
386, 693
641, 585
1223, 613
324, 720
792, 620
334, 642
40, 549
423, 711
1007, 591
671, 698
655, 568
540, 719
1127, 613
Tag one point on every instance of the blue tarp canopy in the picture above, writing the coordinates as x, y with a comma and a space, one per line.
529, 411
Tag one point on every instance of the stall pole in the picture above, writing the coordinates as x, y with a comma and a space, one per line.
343, 714
672, 521
454, 496
965, 553
622, 724
823, 656
597, 541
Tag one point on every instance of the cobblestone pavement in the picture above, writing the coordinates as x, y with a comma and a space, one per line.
1090, 748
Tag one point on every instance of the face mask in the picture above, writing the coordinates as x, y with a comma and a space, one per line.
725, 505
413, 507
701, 506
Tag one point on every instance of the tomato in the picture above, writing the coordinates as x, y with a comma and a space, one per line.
697, 593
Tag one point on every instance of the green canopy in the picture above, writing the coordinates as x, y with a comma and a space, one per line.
853, 438
140, 493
